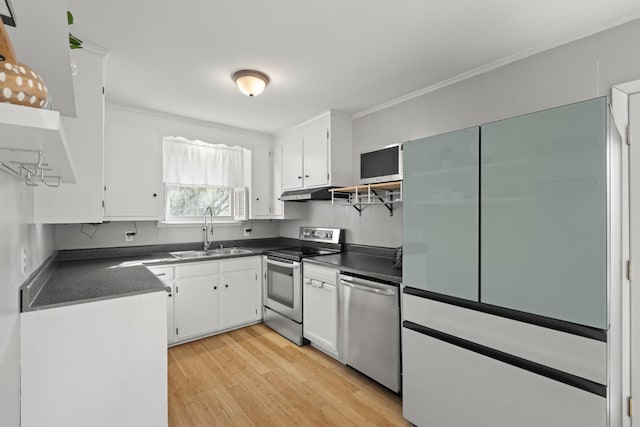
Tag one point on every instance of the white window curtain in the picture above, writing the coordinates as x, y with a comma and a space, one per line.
200, 163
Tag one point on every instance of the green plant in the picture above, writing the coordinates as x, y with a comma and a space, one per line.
74, 42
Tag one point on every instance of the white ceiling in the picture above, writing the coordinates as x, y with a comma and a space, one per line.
350, 55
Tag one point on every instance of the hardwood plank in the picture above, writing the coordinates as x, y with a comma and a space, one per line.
253, 377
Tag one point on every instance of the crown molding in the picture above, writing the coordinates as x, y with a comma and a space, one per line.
496, 64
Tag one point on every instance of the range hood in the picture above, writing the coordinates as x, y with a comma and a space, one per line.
320, 193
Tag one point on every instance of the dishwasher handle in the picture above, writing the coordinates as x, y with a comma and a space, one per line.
367, 288
315, 283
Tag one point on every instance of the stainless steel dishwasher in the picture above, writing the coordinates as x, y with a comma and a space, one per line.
371, 329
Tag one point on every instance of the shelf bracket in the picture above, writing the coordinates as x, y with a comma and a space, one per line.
389, 206
30, 171
359, 209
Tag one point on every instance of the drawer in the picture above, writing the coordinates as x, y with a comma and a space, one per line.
577, 355
321, 274
164, 273
448, 386
245, 263
195, 269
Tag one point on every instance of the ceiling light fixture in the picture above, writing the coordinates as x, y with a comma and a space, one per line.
251, 82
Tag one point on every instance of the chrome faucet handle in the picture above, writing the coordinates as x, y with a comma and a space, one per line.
221, 246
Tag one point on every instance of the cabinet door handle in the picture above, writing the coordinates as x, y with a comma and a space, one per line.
314, 283
161, 274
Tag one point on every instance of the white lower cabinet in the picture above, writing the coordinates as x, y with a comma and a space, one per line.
166, 275
197, 300
320, 314
446, 385
101, 363
239, 298
213, 296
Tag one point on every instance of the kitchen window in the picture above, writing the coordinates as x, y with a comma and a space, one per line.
191, 201
198, 175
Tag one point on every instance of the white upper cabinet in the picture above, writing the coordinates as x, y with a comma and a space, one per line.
316, 159
292, 162
316, 153
260, 194
83, 201
133, 172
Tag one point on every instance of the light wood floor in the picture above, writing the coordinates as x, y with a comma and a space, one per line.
254, 377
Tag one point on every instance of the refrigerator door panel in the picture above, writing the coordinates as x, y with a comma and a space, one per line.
440, 196
543, 240
451, 386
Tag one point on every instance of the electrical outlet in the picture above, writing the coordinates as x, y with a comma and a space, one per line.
128, 236
23, 260
246, 232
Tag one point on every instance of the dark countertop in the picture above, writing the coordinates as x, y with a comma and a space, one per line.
80, 276
79, 281
368, 265
87, 275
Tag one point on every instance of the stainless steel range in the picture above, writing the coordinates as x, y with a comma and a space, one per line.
282, 293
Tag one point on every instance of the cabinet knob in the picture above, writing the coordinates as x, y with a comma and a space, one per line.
257, 198
155, 195
215, 287
299, 177
307, 176
226, 286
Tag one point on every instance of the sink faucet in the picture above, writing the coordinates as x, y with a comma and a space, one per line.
208, 227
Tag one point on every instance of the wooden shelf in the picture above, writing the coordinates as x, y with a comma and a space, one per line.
358, 196
34, 129
363, 188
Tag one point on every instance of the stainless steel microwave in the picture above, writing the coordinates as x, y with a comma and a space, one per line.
381, 165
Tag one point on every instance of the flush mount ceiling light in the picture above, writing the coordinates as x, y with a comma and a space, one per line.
250, 82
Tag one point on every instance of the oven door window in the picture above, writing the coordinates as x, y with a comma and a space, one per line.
280, 285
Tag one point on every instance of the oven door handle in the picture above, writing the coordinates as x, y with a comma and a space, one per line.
283, 264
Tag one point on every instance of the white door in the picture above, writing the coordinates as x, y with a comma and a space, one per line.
316, 154
634, 219
133, 172
260, 182
171, 327
321, 313
292, 164
81, 202
196, 306
239, 297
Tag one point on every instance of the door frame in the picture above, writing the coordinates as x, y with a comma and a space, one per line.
630, 308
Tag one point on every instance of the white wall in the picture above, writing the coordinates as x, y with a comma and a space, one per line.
580, 70
112, 234
17, 233
374, 227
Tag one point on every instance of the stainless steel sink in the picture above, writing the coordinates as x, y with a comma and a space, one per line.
230, 251
191, 254
209, 253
